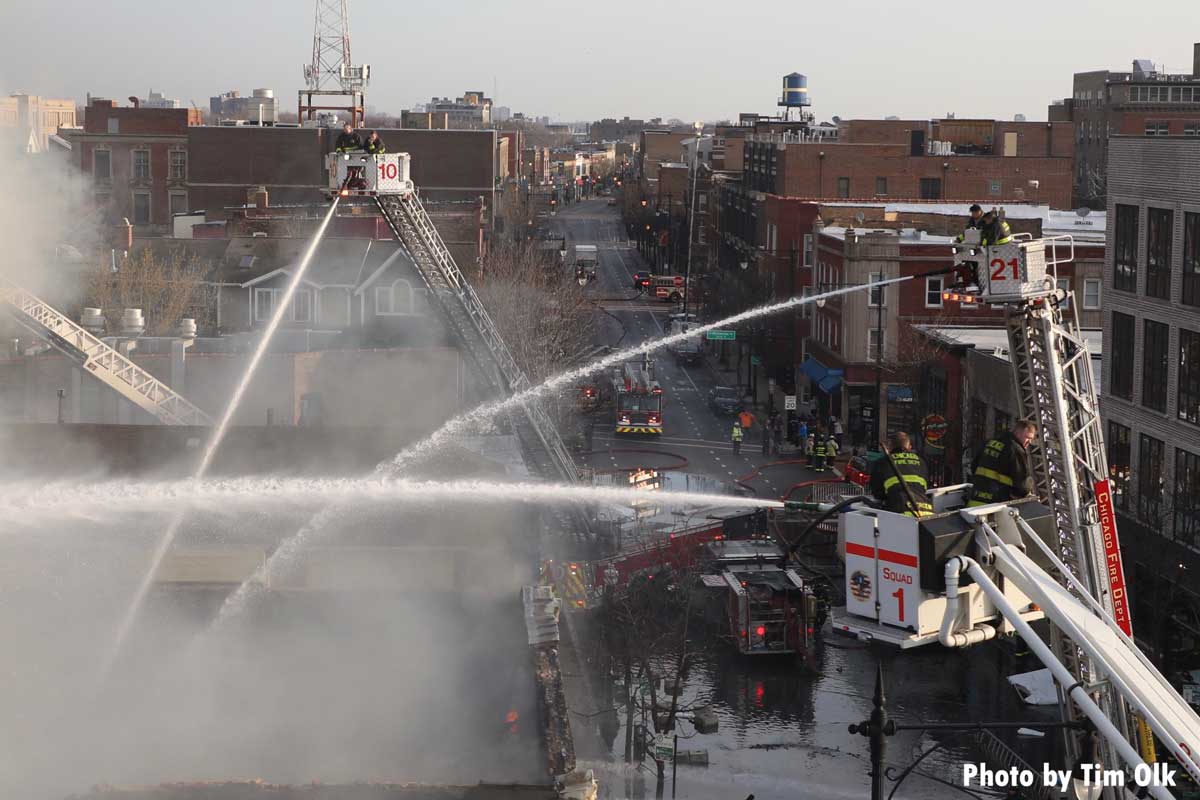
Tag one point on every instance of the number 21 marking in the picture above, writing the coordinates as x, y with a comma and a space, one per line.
998, 266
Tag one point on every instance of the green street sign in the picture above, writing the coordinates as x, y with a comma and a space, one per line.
756, 361
725, 336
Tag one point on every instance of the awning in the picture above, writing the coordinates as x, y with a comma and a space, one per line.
824, 378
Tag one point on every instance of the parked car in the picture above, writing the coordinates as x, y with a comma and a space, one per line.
612, 201
641, 280
858, 470
725, 400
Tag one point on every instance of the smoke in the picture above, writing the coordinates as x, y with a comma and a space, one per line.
395, 657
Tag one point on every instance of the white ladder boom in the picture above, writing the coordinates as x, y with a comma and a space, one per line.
99, 359
468, 318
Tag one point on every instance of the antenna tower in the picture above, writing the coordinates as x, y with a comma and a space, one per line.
331, 74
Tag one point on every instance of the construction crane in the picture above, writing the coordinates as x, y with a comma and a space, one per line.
97, 358
1057, 557
385, 179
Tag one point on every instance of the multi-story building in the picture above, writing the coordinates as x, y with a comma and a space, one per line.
608, 129
28, 121
1141, 102
155, 99
261, 105
138, 161
472, 111
1151, 402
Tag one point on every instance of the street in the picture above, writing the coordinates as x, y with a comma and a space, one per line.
783, 728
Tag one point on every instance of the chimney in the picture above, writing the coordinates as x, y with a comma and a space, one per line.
133, 101
1196, 60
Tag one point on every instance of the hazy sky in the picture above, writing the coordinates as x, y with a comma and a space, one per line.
704, 59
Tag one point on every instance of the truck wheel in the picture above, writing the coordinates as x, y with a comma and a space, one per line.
675, 297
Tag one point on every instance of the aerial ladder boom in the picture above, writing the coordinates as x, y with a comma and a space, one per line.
1056, 389
96, 357
386, 179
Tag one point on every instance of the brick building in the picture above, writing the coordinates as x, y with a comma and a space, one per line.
1151, 402
27, 121
608, 129
138, 161
516, 149
1141, 102
980, 160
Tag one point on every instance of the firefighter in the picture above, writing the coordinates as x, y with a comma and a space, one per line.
1003, 468
375, 145
831, 448
993, 231
820, 446
348, 141
736, 437
900, 479
974, 221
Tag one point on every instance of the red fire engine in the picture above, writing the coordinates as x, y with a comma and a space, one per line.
637, 399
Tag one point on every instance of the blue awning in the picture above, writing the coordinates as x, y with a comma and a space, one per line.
823, 377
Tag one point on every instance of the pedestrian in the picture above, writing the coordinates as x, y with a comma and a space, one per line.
736, 438
746, 419
837, 430
809, 446
766, 440
802, 436
776, 434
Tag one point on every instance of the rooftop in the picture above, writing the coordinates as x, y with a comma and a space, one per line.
994, 341
906, 235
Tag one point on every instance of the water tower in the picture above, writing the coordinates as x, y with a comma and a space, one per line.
795, 95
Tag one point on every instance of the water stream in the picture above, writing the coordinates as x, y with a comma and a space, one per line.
214, 442
237, 601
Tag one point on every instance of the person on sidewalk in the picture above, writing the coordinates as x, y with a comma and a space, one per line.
820, 445
736, 437
802, 438
746, 419
837, 430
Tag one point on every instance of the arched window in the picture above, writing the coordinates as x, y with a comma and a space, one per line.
394, 300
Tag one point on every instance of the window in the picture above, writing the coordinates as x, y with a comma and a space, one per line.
1125, 258
1003, 421
1118, 463
1091, 294
141, 164
772, 237
808, 249
1191, 259
931, 188
1064, 286
264, 303
877, 296
141, 208
874, 343
1154, 367
881, 186
394, 300
1158, 252
1157, 129
933, 292
102, 165
178, 165
1188, 395
1187, 497
302, 306
1191, 129
1150, 478
843, 187
179, 203
114, 125
1120, 382
701, 202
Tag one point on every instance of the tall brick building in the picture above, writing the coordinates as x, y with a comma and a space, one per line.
1141, 102
1151, 403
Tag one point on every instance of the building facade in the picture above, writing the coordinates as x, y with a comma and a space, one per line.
1151, 402
138, 161
1141, 102
261, 106
27, 121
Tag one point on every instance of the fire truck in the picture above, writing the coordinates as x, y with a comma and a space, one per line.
637, 399
971, 573
667, 288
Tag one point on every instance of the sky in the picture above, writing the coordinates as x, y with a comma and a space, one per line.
704, 59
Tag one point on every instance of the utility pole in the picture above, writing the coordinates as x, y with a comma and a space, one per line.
687, 280
879, 365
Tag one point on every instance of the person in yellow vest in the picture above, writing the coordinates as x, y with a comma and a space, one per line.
1003, 468
901, 483
820, 448
994, 231
736, 437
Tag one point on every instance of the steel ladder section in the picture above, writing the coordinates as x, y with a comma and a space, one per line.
105, 363
411, 223
1055, 387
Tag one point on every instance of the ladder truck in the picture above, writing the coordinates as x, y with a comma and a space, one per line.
965, 575
386, 180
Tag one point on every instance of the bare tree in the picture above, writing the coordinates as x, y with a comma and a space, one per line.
166, 287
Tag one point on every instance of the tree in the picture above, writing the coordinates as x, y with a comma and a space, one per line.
167, 287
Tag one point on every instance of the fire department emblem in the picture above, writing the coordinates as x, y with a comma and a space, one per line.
860, 586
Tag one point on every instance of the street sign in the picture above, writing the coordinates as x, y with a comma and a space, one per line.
789, 402
726, 336
664, 747
756, 361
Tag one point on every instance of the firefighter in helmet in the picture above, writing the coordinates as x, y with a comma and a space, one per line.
736, 437
1003, 468
993, 231
900, 479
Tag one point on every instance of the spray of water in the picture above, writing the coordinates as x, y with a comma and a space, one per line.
214, 442
287, 551
120, 498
